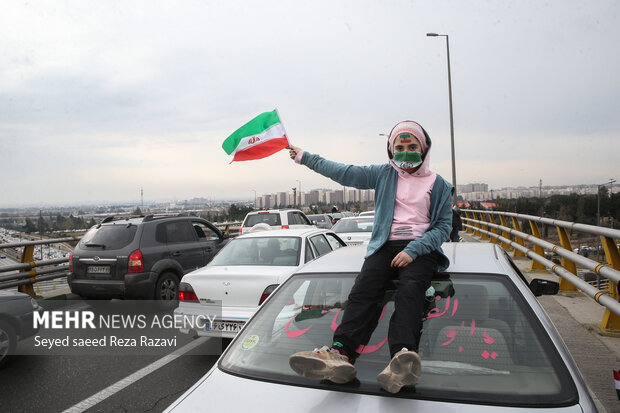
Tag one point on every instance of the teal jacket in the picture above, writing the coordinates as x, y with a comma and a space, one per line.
383, 179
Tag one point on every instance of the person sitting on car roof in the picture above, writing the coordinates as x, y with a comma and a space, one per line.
413, 216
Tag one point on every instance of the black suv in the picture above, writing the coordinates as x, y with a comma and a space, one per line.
143, 257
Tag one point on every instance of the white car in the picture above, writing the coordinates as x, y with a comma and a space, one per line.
243, 274
274, 219
367, 213
487, 346
354, 230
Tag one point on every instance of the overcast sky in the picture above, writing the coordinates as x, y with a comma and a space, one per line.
101, 98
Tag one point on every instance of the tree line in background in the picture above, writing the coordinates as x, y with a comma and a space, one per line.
583, 209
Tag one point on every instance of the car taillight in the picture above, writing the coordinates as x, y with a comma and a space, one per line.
135, 263
187, 294
267, 292
285, 227
71, 262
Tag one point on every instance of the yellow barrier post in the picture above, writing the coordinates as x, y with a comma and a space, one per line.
535, 265
28, 257
483, 226
565, 285
477, 225
468, 229
611, 322
517, 227
505, 234
492, 229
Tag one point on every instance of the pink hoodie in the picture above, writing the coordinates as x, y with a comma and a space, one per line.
413, 191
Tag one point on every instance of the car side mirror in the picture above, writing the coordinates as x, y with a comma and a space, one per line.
544, 287
313, 222
225, 235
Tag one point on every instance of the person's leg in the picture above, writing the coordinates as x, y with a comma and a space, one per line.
405, 366
337, 366
406, 322
360, 316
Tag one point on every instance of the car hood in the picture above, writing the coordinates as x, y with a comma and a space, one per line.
220, 391
239, 285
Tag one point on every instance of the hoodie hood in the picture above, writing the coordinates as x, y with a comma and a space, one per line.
415, 129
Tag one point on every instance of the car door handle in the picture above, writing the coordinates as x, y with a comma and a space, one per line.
177, 253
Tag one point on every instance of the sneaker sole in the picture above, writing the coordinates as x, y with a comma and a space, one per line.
403, 370
317, 369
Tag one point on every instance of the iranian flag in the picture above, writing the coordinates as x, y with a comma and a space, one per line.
617, 380
262, 136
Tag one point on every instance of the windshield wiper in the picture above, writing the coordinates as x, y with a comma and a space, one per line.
454, 367
95, 245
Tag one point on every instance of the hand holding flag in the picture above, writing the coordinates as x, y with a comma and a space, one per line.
262, 136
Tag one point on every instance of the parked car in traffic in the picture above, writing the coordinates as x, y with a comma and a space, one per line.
143, 257
487, 345
354, 230
321, 220
16, 314
244, 273
274, 219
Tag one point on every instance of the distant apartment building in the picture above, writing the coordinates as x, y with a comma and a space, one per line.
463, 189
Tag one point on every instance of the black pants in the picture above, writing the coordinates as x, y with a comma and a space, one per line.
362, 312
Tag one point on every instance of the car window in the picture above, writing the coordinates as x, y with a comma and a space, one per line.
303, 219
354, 225
320, 244
271, 251
179, 231
334, 242
203, 231
481, 344
113, 236
309, 255
268, 218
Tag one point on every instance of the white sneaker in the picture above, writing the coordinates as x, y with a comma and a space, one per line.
403, 370
323, 364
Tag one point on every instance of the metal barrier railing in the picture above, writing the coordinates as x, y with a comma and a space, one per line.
570, 282
31, 271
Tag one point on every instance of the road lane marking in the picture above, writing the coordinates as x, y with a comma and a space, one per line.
127, 381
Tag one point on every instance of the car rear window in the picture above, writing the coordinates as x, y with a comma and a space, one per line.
272, 251
265, 218
483, 344
354, 225
114, 236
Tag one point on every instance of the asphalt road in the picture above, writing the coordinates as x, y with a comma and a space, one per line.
58, 383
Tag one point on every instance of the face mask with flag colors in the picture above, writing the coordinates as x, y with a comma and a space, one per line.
262, 136
407, 160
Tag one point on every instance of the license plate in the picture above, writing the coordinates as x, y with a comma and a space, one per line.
98, 269
225, 326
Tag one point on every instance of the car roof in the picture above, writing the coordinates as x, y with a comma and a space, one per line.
463, 256
273, 211
297, 232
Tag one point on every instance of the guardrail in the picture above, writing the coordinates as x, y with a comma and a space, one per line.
483, 224
31, 271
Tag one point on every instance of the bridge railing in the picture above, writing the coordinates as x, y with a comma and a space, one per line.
30, 271
484, 225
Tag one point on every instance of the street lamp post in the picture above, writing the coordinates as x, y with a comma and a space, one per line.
451, 117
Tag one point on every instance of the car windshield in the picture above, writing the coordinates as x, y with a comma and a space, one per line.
278, 251
113, 236
481, 342
268, 218
354, 225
